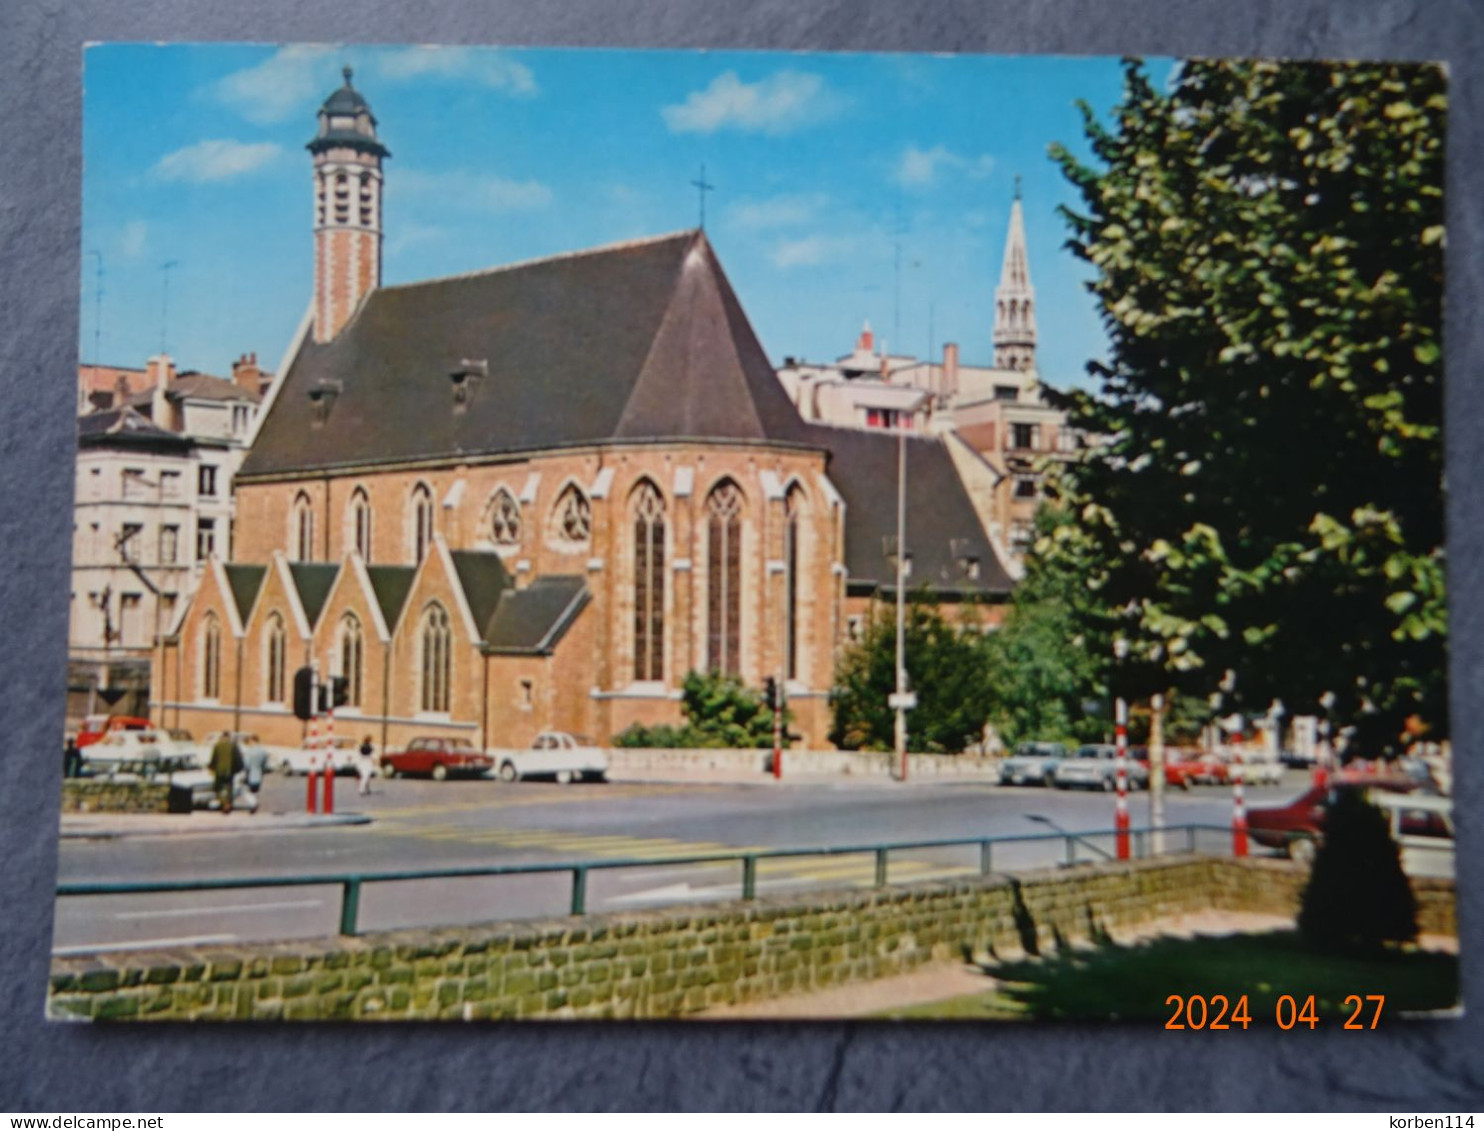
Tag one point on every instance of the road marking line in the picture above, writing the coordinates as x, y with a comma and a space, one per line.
183, 912
97, 948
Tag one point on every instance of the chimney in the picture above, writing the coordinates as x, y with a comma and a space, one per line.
160, 371
950, 369
867, 341
246, 374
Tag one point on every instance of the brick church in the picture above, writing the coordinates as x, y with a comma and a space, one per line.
537, 496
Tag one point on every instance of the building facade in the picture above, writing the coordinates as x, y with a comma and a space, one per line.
537, 497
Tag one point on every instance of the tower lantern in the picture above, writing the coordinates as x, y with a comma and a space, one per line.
347, 208
1015, 300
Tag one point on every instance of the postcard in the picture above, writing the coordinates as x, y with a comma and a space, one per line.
608, 534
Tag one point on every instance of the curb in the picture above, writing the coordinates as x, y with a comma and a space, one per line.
113, 831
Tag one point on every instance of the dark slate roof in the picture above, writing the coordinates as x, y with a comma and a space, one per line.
863, 468
125, 428
245, 581
313, 580
637, 341
483, 578
535, 618
391, 584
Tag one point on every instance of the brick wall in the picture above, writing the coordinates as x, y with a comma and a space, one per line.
668, 962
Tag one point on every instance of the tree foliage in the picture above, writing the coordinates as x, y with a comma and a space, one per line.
1268, 242
720, 712
946, 666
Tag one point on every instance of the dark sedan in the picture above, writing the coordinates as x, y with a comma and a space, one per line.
439, 758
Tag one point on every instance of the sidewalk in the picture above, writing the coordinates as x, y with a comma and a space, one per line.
720, 775
111, 826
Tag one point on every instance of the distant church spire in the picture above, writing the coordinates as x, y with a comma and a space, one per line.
1015, 299
347, 208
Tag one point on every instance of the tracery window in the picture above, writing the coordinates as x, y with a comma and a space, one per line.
360, 523
436, 641
724, 578
573, 517
275, 643
211, 657
648, 509
352, 649
505, 519
303, 528
421, 519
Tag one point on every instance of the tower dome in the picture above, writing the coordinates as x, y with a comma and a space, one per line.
347, 208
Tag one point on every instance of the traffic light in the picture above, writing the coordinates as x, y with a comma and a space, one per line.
339, 691
770, 693
304, 694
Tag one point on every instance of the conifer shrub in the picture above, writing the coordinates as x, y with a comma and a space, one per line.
1358, 898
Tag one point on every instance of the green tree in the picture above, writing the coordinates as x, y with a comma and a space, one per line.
1268, 242
720, 712
947, 666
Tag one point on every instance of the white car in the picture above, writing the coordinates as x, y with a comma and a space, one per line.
553, 754
142, 746
1422, 826
291, 760
1095, 766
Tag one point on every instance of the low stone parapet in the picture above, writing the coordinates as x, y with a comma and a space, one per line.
672, 961
93, 795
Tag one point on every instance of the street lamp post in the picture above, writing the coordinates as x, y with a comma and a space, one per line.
1157, 775
1326, 751
899, 700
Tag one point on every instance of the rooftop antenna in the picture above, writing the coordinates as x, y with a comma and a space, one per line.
899, 229
165, 269
702, 188
97, 308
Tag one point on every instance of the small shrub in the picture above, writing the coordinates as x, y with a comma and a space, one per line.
1358, 898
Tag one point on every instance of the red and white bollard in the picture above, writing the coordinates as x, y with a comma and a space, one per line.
1239, 811
329, 806
1120, 813
311, 802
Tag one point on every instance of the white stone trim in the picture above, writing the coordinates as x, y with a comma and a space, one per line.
685, 482
681, 565
441, 545
777, 566
829, 491
594, 564
455, 495
301, 619
229, 599
527, 494
772, 488
602, 484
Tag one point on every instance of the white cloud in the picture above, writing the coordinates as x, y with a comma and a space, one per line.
411, 234
487, 68
133, 239
775, 212
917, 168
810, 251
483, 191
284, 84
783, 102
215, 159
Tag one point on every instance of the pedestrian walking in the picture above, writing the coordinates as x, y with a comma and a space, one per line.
366, 764
71, 759
226, 764
255, 761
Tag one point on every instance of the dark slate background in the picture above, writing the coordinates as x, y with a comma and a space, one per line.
49, 1067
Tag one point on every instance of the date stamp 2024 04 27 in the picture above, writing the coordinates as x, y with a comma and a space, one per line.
1217, 1011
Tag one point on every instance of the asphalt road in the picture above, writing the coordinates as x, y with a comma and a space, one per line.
424, 824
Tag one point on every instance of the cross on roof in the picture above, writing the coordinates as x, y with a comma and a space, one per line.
702, 188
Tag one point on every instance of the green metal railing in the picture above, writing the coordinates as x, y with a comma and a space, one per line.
351, 883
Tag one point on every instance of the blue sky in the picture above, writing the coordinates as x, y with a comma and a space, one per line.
823, 165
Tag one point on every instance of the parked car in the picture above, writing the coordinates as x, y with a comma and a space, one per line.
555, 754
291, 760
1298, 827
1185, 768
1033, 763
438, 757
1422, 826
94, 727
121, 745
1095, 766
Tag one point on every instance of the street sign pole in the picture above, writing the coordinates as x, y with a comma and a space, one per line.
1120, 815
901, 720
1157, 775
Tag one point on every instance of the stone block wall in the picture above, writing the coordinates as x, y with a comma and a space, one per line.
83, 795
661, 963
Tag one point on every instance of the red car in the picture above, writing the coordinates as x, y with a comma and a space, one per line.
1298, 827
437, 757
95, 727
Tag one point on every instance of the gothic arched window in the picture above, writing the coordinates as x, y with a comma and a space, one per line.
505, 519
420, 522
793, 508
572, 518
436, 644
352, 647
303, 528
360, 524
648, 509
275, 660
724, 578
211, 657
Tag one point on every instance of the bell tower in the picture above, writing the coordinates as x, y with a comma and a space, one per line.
347, 208
1015, 300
